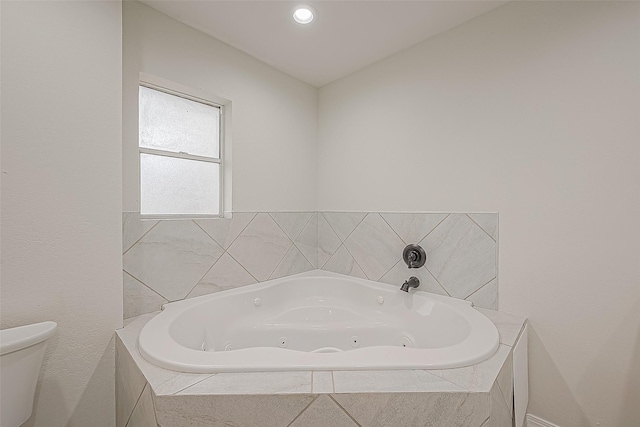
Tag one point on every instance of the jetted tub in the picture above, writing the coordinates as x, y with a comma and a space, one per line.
317, 321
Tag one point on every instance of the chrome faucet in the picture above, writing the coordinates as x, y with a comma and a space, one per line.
413, 282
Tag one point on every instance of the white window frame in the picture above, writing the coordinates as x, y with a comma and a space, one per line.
224, 160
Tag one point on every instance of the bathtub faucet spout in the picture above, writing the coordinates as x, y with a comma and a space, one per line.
413, 282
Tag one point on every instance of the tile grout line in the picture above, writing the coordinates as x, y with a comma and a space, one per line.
293, 239
480, 288
393, 229
214, 262
131, 274
497, 383
243, 267
448, 381
191, 385
153, 404
146, 384
146, 286
305, 257
345, 411
285, 254
355, 261
226, 251
366, 214
387, 272
294, 243
433, 229
334, 232
281, 260
141, 237
255, 214
437, 281
481, 228
342, 243
205, 232
425, 266
303, 411
205, 273
419, 241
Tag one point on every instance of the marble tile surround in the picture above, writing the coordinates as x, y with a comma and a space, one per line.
171, 260
475, 396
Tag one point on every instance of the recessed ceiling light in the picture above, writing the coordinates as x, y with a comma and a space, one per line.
303, 15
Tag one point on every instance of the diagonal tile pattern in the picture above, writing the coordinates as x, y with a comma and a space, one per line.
343, 223
133, 228
460, 255
487, 221
260, 247
323, 412
130, 383
400, 272
144, 414
230, 410
172, 258
413, 227
307, 241
416, 409
225, 230
328, 241
294, 262
343, 263
169, 260
291, 223
461, 251
225, 274
486, 296
139, 299
375, 246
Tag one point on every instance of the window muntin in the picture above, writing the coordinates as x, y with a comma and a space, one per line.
180, 154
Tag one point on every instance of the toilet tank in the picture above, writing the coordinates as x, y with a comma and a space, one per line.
21, 354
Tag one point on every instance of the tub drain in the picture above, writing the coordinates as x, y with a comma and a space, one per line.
283, 342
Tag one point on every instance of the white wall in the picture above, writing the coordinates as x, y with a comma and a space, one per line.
61, 197
274, 115
531, 110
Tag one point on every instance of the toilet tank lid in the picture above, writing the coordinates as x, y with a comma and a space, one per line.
15, 339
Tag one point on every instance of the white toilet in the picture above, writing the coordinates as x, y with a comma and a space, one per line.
21, 354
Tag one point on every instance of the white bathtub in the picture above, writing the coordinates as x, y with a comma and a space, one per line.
317, 321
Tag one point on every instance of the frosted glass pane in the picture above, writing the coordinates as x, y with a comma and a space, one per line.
170, 123
170, 185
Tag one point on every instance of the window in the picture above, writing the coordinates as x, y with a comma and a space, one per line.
181, 146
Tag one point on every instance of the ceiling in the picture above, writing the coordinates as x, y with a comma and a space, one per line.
344, 37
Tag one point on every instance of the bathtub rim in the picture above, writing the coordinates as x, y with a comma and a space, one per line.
172, 356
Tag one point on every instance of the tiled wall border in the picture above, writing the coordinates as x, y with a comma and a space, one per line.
171, 260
